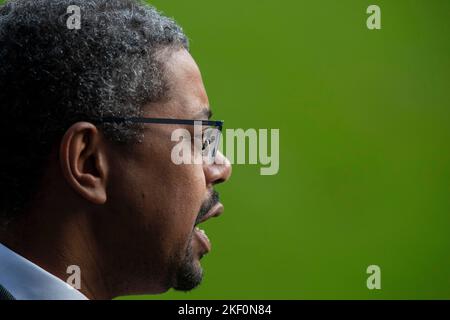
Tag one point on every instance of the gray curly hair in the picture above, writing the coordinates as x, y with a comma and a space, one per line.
52, 76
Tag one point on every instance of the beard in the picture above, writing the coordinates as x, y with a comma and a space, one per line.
190, 274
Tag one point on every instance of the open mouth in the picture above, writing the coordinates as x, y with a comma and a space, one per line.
200, 234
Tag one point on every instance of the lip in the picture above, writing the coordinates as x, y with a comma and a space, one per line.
214, 212
203, 239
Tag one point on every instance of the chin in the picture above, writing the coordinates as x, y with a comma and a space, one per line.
189, 274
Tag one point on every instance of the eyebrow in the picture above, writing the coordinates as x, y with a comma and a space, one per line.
206, 112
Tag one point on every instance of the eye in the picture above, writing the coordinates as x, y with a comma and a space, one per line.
206, 143
207, 140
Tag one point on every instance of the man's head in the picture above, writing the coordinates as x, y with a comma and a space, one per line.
108, 192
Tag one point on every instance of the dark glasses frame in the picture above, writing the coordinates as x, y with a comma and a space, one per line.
212, 123
218, 124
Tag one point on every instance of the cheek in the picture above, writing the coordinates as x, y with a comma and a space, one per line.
180, 196
160, 201
173, 195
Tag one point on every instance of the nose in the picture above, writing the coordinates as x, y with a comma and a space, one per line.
219, 171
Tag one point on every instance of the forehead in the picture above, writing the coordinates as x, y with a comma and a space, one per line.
187, 94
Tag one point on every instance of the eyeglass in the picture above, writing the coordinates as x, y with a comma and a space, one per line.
210, 136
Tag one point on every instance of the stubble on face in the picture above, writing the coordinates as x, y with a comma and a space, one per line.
190, 273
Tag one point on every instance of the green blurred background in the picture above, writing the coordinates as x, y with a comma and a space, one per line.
364, 119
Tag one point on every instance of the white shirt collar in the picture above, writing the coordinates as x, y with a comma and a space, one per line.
27, 281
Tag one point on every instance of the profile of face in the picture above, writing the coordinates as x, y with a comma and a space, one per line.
105, 197
148, 230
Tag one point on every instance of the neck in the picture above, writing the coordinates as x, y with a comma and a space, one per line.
56, 239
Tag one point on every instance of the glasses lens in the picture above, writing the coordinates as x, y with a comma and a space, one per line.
211, 138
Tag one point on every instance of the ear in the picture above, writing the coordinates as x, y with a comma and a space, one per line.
83, 161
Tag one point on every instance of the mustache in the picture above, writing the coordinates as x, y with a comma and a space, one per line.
207, 205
